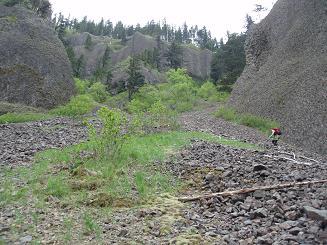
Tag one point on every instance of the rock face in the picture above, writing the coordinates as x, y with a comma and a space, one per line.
196, 61
286, 73
34, 67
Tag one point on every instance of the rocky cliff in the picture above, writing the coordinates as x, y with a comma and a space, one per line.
196, 61
286, 73
34, 67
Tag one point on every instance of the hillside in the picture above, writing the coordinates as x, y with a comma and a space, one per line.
196, 61
285, 75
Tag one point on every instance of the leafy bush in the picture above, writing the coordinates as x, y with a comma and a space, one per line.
263, 124
109, 141
207, 90
181, 96
98, 92
78, 105
82, 86
178, 76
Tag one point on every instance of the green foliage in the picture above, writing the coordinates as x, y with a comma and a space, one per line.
119, 101
98, 92
208, 91
175, 55
180, 94
57, 187
82, 86
77, 106
263, 124
135, 79
178, 76
107, 144
90, 225
140, 183
88, 42
229, 60
23, 117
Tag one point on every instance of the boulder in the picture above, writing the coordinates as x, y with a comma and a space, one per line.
34, 67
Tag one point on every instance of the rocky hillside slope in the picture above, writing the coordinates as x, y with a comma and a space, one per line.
196, 61
34, 67
285, 77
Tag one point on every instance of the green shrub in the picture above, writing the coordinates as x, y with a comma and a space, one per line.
208, 91
144, 98
178, 76
77, 106
82, 86
108, 142
161, 116
98, 92
181, 96
23, 117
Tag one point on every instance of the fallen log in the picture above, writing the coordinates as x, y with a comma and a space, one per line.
248, 190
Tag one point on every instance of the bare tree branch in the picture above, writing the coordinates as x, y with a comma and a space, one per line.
248, 190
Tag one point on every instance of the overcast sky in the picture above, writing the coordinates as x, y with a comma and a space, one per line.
219, 16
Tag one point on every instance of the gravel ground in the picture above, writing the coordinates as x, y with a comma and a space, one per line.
295, 215
20, 141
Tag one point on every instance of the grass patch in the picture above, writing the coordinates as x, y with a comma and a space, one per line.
76, 177
23, 117
263, 124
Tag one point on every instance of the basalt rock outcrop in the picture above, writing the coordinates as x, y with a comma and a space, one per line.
196, 61
286, 73
34, 67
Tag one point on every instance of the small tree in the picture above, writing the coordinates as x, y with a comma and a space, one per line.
135, 79
175, 55
106, 57
88, 42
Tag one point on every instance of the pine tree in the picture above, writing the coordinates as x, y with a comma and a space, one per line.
175, 55
106, 57
135, 79
88, 42
249, 22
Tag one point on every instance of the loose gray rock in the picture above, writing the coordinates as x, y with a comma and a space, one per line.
316, 214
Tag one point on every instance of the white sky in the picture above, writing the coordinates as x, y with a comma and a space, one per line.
219, 16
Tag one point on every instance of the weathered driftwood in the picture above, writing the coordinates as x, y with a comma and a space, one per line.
248, 190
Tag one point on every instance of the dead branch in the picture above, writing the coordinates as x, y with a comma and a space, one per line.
309, 159
304, 157
289, 159
248, 190
297, 162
